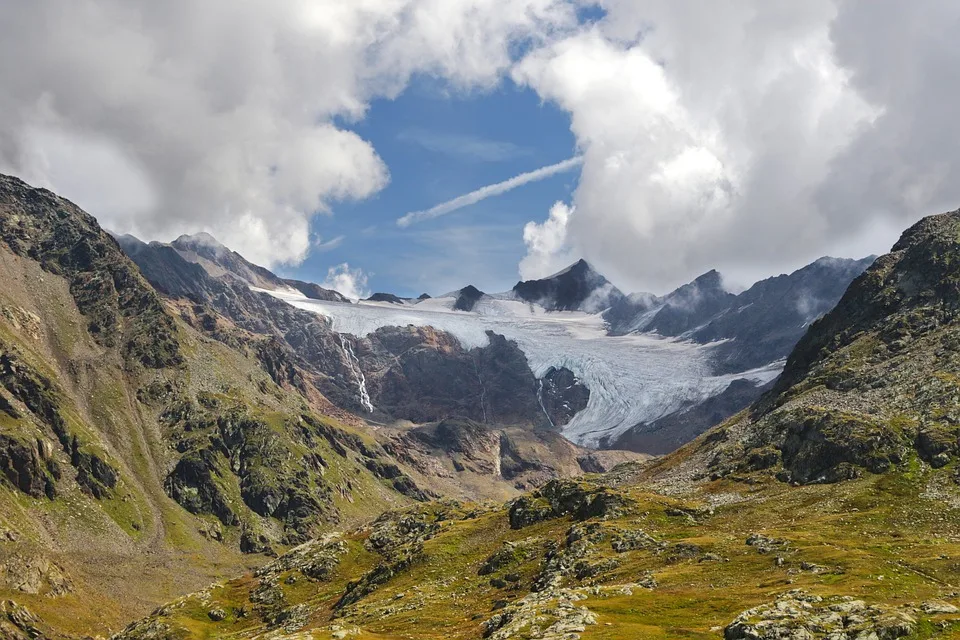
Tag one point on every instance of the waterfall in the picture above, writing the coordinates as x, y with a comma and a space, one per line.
483, 391
354, 363
540, 400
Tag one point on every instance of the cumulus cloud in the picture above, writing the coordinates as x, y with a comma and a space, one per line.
229, 117
749, 136
548, 250
488, 191
350, 282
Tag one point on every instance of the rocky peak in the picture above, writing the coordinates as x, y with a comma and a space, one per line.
220, 261
202, 243
912, 289
872, 385
692, 305
709, 281
579, 287
217, 259
467, 298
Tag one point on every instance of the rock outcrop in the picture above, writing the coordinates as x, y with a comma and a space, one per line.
797, 614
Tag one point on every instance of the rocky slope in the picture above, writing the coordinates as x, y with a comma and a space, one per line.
589, 560
756, 327
217, 260
125, 429
873, 384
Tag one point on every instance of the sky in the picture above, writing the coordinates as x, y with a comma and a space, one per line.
420, 145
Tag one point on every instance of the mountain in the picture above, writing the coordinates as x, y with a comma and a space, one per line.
162, 427
733, 536
407, 373
872, 385
157, 442
577, 288
664, 370
691, 305
746, 331
467, 298
768, 319
773, 313
218, 260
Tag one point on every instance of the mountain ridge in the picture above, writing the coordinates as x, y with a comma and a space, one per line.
869, 386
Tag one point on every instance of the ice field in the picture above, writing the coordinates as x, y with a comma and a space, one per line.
632, 379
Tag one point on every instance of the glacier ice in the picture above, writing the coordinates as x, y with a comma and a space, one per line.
632, 379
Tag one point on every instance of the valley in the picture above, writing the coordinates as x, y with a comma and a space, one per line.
272, 460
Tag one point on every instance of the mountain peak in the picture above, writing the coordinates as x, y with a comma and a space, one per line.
709, 280
219, 260
467, 298
579, 287
578, 267
200, 241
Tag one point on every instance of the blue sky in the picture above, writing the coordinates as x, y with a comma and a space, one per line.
439, 145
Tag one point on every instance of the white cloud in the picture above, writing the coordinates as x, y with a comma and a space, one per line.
350, 282
218, 115
746, 136
548, 250
749, 136
488, 191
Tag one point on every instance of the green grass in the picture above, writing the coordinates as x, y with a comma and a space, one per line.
855, 544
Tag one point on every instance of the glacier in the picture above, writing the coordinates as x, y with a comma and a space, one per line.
633, 379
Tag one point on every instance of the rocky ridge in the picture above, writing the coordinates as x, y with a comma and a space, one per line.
872, 385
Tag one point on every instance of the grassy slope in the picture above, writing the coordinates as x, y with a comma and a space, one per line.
889, 539
129, 552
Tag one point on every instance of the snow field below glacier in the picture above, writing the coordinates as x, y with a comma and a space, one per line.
632, 379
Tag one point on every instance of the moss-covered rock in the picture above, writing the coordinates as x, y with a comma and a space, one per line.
559, 498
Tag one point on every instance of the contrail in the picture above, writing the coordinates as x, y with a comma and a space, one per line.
488, 191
